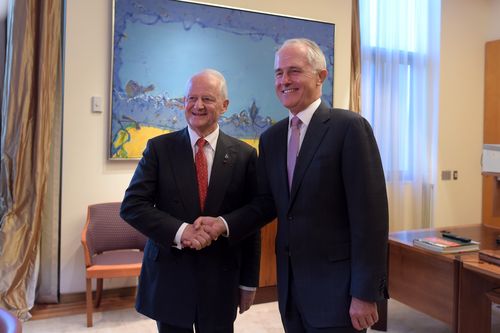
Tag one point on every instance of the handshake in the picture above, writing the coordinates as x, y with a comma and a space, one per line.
202, 232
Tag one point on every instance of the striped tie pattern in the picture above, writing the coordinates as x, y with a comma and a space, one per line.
200, 161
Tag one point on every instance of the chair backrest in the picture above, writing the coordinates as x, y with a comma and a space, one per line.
105, 230
9, 323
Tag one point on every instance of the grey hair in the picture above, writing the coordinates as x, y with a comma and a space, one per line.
315, 56
218, 75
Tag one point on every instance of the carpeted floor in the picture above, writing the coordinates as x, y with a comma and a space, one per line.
261, 318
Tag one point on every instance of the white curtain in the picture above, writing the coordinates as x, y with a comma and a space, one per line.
399, 97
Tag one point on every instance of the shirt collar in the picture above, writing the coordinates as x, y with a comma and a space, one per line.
211, 138
306, 115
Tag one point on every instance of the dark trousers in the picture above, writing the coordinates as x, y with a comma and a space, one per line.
166, 328
294, 322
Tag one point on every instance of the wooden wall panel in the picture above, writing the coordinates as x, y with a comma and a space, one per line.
491, 184
268, 256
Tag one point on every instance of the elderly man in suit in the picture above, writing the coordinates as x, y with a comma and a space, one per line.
182, 175
319, 171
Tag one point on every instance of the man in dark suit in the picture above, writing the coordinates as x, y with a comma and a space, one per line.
182, 175
320, 172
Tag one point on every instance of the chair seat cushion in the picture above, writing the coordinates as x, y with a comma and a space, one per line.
115, 264
118, 257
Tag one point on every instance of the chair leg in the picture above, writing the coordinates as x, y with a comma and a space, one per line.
98, 293
88, 296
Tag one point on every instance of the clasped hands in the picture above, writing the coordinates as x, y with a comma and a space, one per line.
202, 232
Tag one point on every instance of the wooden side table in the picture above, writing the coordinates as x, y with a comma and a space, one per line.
477, 289
428, 281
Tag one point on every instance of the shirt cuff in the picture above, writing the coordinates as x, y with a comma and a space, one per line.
248, 288
227, 227
178, 235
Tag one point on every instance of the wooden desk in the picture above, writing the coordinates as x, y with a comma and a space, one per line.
477, 280
267, 276
429, 281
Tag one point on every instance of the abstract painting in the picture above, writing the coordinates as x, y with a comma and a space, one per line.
159, 44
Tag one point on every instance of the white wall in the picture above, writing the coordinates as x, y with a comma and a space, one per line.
493, 31
464, 32
88, 177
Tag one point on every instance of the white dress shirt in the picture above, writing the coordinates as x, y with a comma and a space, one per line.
305, 117
209, 150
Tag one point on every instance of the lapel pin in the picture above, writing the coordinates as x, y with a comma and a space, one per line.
226, 158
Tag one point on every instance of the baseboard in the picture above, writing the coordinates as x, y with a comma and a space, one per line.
115, 299
107, 293
74, 303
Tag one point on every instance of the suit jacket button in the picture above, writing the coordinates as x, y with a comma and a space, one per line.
290, 218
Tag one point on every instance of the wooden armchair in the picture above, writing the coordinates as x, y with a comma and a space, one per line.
9, 323
112, 248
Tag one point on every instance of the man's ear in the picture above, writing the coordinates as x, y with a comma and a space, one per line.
225, 104
322, 74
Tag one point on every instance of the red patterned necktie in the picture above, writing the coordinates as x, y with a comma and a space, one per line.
200, 161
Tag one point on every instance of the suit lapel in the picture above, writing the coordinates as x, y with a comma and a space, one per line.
314, 135
185, 172
220, 177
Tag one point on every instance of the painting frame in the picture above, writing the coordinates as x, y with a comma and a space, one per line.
148, 75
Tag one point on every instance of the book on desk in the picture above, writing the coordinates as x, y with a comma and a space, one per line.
446, 245
491, 256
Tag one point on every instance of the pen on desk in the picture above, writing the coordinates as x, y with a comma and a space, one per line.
455, 237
